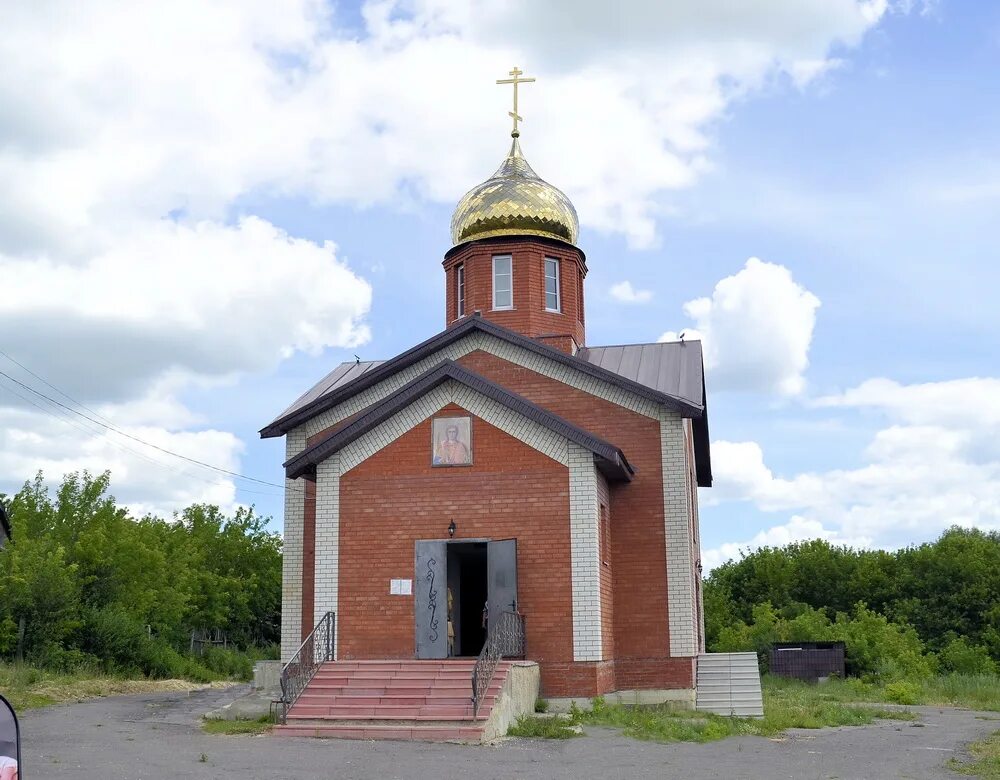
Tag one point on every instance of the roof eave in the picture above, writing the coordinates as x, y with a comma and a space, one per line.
611, 460
282, 425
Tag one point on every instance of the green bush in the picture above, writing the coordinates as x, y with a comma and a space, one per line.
878, 647
94, 588
115, 637
962, 657
902, 692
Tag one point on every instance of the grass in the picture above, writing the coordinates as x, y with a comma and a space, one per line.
985, 759
974, 691
786, 705
258, 726
786, 710
28, 687
544, 728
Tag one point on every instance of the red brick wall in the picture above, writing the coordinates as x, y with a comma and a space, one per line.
396, 497
638, 552
607, 584
309, 558
528, 316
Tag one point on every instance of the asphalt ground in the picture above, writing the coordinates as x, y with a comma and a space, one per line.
154, 736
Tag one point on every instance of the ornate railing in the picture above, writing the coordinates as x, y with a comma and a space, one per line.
316, 650
505, 640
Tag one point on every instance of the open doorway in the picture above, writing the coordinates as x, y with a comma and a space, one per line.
468, 592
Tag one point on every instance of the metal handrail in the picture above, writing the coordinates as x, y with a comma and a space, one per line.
506, 639
315, 650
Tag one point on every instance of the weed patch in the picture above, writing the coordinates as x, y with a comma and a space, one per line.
258, 726
544, 728
785, 707
985, 759
28, 687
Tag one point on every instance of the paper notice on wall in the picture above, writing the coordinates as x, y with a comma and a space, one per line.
400, 587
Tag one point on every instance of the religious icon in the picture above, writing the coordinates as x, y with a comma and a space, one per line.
452, 441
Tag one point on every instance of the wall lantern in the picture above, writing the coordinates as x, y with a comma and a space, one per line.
451, 529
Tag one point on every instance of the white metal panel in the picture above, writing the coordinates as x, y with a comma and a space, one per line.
729, 684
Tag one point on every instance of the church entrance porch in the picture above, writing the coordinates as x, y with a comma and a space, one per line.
461, 588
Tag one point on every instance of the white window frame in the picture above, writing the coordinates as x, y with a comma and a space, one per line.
545, 280
510, 276
460, 290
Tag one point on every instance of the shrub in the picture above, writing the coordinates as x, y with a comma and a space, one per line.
962, 657
880, 648
902, 692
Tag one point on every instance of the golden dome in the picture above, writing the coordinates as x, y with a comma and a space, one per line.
514, 201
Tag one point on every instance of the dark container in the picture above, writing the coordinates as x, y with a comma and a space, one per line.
807, 660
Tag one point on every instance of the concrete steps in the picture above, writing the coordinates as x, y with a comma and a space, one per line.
413, 700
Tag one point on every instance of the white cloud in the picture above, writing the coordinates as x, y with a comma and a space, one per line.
625, 293
756, 328
797, 529
935, 465
144, 480
131, 132
206, 299
967, 403
139, 109
156, 311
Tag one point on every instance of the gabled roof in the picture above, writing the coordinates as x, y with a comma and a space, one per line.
342, 375
337, 387
673, 367
610, 459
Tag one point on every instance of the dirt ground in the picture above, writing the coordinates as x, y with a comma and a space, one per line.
153, 736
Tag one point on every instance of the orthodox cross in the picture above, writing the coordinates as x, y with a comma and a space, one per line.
515, 81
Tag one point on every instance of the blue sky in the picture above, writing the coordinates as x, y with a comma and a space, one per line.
850, 146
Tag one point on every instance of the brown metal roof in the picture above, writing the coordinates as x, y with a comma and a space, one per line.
670, 374
337, 387
674, 368
342, 375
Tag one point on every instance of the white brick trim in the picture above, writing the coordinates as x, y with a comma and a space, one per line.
585, 554
682, 621
520, 427
495, 346
327, 574
291, 560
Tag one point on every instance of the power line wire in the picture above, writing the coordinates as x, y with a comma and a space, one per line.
67, 420
120, 432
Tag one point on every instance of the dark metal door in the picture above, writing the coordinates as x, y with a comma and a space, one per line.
430, 590
501, 571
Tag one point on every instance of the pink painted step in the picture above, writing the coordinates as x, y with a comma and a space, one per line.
425, 700
400, 732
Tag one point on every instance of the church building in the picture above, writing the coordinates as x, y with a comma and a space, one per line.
505, 465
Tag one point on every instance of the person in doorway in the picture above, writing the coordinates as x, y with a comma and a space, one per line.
451, 624
8, 768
